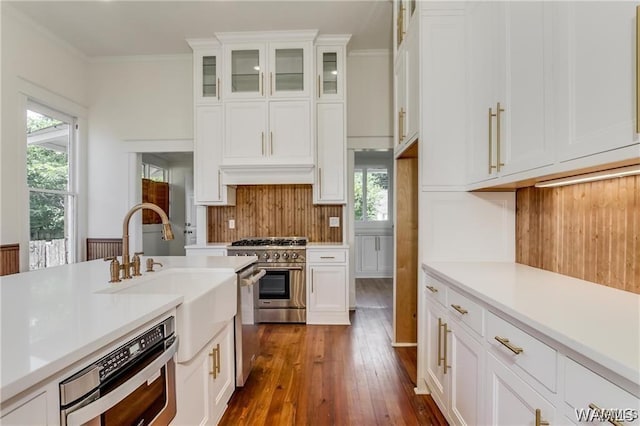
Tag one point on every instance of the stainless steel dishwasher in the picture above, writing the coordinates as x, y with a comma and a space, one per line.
246, 326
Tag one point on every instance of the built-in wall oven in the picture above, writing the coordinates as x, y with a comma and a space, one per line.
281, 295
132, 385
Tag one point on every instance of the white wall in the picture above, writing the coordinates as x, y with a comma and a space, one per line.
138, 104
370, 99
38, 65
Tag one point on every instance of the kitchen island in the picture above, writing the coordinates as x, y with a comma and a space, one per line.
52, 319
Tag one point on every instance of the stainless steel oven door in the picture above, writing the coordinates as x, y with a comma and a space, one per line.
145, 395
282, 287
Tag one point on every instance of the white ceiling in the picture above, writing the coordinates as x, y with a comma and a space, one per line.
116, 28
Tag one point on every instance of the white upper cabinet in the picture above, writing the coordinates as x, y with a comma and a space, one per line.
331, 181
246, 65
245, 132
330, 72
594, 66
290, 132
268, 65
207, 71
509, 81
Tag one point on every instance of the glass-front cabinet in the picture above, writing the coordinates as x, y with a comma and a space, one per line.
207, 72
281, 74
330, 72
245, 71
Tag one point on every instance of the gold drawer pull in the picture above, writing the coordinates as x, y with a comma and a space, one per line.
516, 350
218, 358
460, 309
539, 421
432, 289
599, 410
327, 257
214, 357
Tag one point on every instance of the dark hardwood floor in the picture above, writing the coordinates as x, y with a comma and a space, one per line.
335, 375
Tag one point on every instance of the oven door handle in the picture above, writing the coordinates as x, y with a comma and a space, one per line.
101, 405
280, 268
249, 281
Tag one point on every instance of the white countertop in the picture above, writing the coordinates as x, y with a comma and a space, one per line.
208, 246
54, 317
599, 322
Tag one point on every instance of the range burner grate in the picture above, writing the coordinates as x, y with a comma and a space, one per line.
282, 242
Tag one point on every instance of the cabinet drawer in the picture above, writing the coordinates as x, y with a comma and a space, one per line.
465, 310
584, 388
521, 349
435, 290
326, 256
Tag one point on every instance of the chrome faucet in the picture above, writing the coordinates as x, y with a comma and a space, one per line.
167, 234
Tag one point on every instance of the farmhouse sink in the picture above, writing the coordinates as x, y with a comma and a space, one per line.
209, 301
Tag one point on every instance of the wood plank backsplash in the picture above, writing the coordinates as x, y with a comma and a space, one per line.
589, 231
9, 259
274, 211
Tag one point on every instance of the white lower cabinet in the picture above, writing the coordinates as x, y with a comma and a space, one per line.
32, 412
327, 286
205, 384
514, 375
374, 256
511, 401
454, 367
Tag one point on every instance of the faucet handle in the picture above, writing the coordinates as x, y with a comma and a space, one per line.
135, 264
114, 269
150, 264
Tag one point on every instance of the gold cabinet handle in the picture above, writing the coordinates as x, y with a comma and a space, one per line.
271, 143
444, 349
327, 257
218, 89
218, 358
219, 184
539, 421
312, 283
271, 83
261, 84
505, 342
399, 126
460, 309
499, 162
403, 114
599, 410
318, 86
214, 371
491, 115
262, 143
319, 182
432, 289
439, 341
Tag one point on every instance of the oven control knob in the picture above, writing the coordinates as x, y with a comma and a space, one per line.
294, 255
238, 254
265, 256
285, 255
256, 254
276, 255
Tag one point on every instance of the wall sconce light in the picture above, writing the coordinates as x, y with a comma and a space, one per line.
591, 177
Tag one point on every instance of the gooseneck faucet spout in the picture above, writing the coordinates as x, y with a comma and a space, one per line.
167, 233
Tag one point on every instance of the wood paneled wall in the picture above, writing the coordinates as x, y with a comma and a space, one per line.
274, 211
406, 284
99, 248
9, 259
589, 231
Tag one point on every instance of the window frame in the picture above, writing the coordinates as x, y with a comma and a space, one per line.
72, 192
365, 167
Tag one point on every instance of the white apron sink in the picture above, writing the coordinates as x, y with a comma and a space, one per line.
209, 301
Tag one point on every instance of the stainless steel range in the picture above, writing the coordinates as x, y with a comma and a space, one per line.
281, 295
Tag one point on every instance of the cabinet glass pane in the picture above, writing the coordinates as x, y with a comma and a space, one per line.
330, 73
289, 70
209, 76
245, 71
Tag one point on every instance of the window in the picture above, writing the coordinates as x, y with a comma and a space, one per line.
371, 190
155, 189
50, 179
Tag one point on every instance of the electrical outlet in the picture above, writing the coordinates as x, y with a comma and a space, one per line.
232, 224
334, 222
